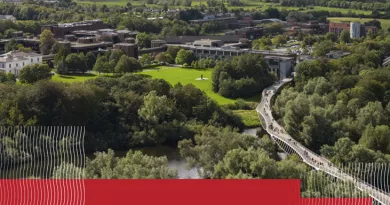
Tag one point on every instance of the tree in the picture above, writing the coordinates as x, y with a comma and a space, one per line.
340, 152
11, 45
61, 67
252, 162
143, 40
34, 73
185, 56
241, 76
127, 64
145, 60
47, 41
330, 36
376, 138
134, 165
373, 113
291, 168
345, 36
61, 54
157, 109
68, 171
7, 77
322, 48
211, 145
272, 12
114, 55
76, 62
102, 65
173, 50
91, 60
164, 57
273, 28
262, 43
279, 40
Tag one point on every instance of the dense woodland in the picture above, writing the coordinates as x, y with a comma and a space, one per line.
343, 101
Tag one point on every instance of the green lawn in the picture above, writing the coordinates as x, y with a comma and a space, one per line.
189, 76
249, 4
384, 22
172, 75
250, 118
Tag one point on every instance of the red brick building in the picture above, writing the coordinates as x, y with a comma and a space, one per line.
337, 28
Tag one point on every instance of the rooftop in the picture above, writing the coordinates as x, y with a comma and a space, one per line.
278, 55
17, 55
125, 44
89, 45
190, 39
6, 17
214, 19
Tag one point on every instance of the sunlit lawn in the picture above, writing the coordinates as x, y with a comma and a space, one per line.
189, 76
250, 118
172, 75
249, 4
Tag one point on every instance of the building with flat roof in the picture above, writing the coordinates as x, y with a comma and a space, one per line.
60, 30
337, 28
14, 61
130, 49
337, 54
208, 43
8, 17
230, 22
190, 39
250, 33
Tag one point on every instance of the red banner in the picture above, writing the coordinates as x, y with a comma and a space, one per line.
152, 192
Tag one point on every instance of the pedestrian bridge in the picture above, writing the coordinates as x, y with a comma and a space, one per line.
289, 145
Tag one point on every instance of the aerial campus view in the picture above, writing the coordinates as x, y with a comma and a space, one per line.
181, 89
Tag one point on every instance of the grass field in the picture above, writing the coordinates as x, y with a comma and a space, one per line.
249, 4
250, 118
189, 76
384, 22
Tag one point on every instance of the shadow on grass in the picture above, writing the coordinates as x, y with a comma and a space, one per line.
255, 98
67, 77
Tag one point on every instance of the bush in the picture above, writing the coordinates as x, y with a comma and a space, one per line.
242, 76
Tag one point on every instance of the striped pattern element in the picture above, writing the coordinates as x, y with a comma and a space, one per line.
42, 165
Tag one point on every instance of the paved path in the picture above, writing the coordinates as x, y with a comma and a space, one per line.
312, 159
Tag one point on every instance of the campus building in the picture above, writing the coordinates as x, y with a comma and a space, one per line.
60, 30
230, 22
250, 33
14, 61
8, 17
355, 29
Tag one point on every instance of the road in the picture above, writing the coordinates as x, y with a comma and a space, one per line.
277, 132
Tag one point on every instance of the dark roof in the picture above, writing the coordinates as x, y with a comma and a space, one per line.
190, 39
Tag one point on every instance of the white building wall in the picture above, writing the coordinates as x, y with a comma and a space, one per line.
355, 30
16, 65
